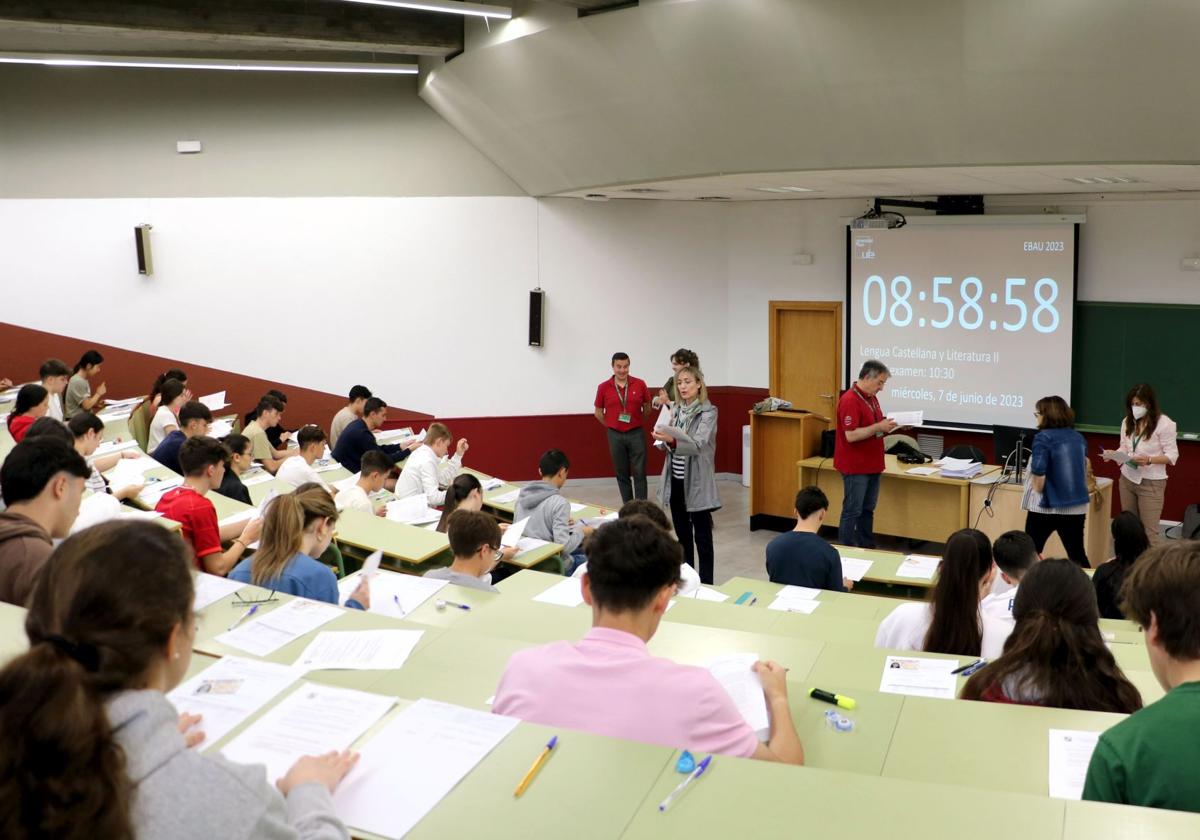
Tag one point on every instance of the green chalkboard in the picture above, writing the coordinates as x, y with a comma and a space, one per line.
1120, 344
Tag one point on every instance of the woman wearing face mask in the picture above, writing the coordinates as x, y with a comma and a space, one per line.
1148, 438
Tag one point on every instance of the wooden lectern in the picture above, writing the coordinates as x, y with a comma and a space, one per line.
778, 439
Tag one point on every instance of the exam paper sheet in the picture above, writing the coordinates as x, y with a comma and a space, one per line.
919, 676
1070, 753
264, 635
735, 673
919, 567
229, 691
212, 588
312, 720
393, 593
431, 746
853, 568
566, 593
359, 650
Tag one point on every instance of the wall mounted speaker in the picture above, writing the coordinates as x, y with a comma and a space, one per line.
141, 239
537, 318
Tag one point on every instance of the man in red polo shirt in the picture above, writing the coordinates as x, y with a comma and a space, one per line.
858, 455
621, 405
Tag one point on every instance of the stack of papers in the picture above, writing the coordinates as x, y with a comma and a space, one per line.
853, 568
96, 508
117, 405
735, 673
393, 593
228, 692
800, 599
359, 650
129, 472
312, 720
392, 435
919, 676
566, 593
412, 510
156, 489
959, 467
263, 636
907, 418
220, 428
919, 567
1070, 755
509, 498
491, 483
431, 746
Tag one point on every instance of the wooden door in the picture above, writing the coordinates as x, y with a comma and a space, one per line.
806, 354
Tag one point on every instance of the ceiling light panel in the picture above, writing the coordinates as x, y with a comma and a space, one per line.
452, 7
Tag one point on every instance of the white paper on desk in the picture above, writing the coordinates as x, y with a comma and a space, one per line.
156, 490
263, 636
359, 650
907, 418
431, 746
854, 568
566, 593
1070, 753
798, 593
128, 402
96, 508
735, 673
412, 510
112, 416
131, 514
954, 463
347, 483
527, 544
129, 472
312, 720
252, 477
577, 506
111, 446
705, 593
229, 691
794, 605
212, 588
919, 567
491, 483
919, 676
215, 402
923, 470
597, 521
513, 533
505, 498
322, 465
389, 587
392, 435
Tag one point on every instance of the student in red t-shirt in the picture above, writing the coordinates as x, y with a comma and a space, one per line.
32, 402
858, 453
203, 462
621, 404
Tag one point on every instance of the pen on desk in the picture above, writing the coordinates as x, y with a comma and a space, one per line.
695, 774
441, 605
969, 667
244, 616
399, 606
537, 765
753, 601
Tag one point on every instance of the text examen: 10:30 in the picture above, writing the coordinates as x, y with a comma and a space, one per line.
969, 314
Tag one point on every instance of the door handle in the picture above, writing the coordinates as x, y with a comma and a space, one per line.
825, 396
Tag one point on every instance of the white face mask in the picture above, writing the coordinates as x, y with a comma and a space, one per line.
1139, 411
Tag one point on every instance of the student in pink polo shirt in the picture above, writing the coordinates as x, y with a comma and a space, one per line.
609, 684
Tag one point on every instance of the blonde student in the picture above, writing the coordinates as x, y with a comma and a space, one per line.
376, 467
298, 469
949, 622
166, 416
297, 529
430, 468
80, 396
111, 630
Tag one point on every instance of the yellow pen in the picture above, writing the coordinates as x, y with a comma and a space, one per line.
537, 765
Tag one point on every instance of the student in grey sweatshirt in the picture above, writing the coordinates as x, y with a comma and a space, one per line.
549, 512
90, 746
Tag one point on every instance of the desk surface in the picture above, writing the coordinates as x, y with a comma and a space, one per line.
893, 468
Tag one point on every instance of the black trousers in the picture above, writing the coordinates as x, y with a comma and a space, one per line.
1040, 526
628, 450
694, 531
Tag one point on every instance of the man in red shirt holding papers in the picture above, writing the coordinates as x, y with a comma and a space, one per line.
858, 454
621, 404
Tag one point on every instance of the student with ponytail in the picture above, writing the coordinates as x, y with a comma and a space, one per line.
32, 402
466, 493
949, 622
297, 528
90, 747
1056, 655
166, 418
1129, 543
80, 396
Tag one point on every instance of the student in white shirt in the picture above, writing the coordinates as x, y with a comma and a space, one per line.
1014, 555
428, 469
949, 621
298, 469
376, 467
351, 411
55, 375
166, 417
88, 431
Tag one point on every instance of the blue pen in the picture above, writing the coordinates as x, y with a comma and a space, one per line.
695, 774
441, 605
399, 606
244, 616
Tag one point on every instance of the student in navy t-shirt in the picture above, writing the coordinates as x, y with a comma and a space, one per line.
801, 557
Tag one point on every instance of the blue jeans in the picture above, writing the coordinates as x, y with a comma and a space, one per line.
571, 562
861, 492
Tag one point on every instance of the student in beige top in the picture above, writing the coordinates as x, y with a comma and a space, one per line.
1148, 438
270, 412
351, 411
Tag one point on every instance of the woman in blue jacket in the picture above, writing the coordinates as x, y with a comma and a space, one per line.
1056, 488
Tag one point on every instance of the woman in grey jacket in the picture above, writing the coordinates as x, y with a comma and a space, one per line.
689, 483
90, 747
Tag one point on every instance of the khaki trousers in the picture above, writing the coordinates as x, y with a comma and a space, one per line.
1146, 501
